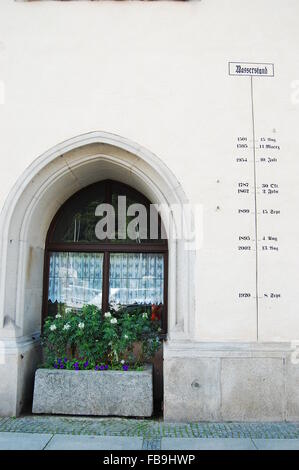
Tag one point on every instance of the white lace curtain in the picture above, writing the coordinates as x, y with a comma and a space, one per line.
136, 278
75, 279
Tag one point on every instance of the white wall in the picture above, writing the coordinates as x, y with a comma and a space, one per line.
157, 73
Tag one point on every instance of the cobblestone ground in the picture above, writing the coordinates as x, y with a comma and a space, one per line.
150, 430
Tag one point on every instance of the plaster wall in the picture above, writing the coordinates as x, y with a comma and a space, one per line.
156, 74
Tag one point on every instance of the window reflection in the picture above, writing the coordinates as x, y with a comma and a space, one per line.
77, 222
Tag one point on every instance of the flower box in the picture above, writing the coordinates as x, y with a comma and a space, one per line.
97, 393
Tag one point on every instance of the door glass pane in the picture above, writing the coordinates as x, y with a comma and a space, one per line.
77, 222
75, 279
130, 217
137, 279
147, 230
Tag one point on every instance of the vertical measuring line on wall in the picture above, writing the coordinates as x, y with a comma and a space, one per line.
255, 209
247, 69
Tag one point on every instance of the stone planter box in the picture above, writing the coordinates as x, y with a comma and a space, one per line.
97, 393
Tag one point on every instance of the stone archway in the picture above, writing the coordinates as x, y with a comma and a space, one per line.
49, 181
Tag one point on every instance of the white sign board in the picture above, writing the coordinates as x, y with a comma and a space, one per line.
251, 69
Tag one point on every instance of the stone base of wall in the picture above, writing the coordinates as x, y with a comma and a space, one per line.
19, 358
97, 393
202, 381
230, 382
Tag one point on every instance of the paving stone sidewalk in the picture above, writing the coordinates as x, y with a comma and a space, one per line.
57, 432
147, 428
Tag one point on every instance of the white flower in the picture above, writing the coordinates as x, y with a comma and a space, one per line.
126, 336
144, 315
81, 325
68, 310
115, 306
67, 326
58, 315
107, 315
53, 327
113, 320
122, 362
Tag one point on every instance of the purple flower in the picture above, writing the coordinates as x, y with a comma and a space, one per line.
97, 368
55, 365
76, 366
125, 367
102, 367
106, 367
65, 359
85, 364
61, 366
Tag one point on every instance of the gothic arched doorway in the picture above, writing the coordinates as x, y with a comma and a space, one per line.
126, 267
